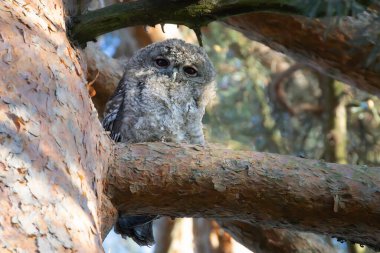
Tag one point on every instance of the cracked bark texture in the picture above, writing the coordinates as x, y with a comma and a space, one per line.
266, 189
49, 135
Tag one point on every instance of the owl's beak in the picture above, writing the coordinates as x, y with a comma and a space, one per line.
174, 73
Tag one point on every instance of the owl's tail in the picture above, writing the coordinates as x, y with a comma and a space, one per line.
139, 228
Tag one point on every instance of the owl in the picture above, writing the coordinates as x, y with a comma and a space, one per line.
161, 97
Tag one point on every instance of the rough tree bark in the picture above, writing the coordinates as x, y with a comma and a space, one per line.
54, 158
53, 150
267, 189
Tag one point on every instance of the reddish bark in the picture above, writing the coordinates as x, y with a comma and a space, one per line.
278, 191
49, 136
332, 49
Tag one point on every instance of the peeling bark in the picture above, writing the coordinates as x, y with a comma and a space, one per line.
267, 189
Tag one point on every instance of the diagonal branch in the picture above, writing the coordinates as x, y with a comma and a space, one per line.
190, 13
267, 189
339, 51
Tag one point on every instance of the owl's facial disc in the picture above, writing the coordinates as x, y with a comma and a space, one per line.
171, 69
163, 65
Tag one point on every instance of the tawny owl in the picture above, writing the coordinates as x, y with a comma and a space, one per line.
161, 97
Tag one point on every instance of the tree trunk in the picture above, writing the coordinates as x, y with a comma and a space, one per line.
53, 150
335, 101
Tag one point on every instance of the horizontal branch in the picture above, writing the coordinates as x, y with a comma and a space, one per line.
266, 189
190, 13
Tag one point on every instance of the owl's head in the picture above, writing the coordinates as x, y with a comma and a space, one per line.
175, 59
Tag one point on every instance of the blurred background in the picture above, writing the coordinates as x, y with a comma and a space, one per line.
265, 102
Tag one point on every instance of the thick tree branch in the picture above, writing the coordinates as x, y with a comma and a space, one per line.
267, 189
190, 13
340, 51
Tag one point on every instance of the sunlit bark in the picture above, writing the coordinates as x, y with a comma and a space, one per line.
267, 189
53, 151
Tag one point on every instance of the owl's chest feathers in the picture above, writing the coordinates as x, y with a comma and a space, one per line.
152, 115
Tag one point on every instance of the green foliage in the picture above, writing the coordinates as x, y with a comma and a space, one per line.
247, 113
340, 8
233, 118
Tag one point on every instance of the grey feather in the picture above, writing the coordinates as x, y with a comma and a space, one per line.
159, 103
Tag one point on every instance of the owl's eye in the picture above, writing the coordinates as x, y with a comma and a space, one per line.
190, 71
161, 62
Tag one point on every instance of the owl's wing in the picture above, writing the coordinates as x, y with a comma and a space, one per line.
113, 114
